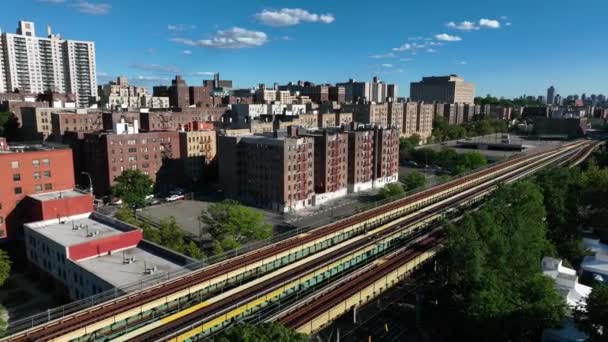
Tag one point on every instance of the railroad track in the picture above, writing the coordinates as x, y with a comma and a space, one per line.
210, 316
307, 318
99, 316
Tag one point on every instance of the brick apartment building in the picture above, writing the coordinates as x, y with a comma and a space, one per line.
370, 113
30, 170
386, 156
106, 155
330, 165
153, 121
337, 94
198, 149
395, 115
75, 122
360, 160
269, 171
373, 157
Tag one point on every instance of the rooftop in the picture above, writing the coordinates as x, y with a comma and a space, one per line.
115, 271
21, 148
49, 196
74, 230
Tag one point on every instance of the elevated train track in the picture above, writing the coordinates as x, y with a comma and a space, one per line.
204, 321
251, 268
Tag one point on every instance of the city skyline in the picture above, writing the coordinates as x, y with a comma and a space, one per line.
492, 45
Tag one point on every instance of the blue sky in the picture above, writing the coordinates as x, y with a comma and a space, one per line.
506, 48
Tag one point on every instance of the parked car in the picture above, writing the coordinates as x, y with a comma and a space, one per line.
117, 202
411, 163
173, 198
149, 197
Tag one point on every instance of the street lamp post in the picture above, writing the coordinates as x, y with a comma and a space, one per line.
90, 181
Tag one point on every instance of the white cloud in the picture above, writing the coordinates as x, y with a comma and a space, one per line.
433, 43
156, 67
102, 74
286, 38
413, 39
203, 73
400, 70
406, 59
383, 55
292, 16
508, 24
431, 50
53, 1
463, 63
180, 27
187, 52
233, 38
463, 26
447, 38
504, 17
489, 23
404, 47
151, 50
386, 65
91, 8
151, 78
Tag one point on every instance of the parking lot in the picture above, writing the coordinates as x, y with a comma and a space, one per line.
186, 213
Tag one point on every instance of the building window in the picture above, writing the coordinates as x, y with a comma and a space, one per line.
18, 190
132, 150
38, 187
45, 161
47, 174
36, 175
48, 186
15, 164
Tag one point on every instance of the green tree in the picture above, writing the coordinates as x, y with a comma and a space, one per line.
391, 190
561, 189
266, 332
592, 318
5, 266
132, 186
489, 279
233, 224
469, 161
413, 180
193, 251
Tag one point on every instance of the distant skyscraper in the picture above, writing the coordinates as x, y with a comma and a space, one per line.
37, 64
551, 95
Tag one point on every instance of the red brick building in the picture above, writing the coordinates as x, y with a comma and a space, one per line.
29, 171
330, 165
106, 155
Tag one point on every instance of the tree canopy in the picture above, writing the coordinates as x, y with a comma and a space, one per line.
592, 318
5, 266
169, 234
490, 100
267, 332
132, 186
413, 180
490, 281
443, 131
561, 189
232, 224
450, 160
391, 190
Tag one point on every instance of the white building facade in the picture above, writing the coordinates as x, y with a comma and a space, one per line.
38, 64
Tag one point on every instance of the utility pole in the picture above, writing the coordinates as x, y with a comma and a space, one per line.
90, 181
